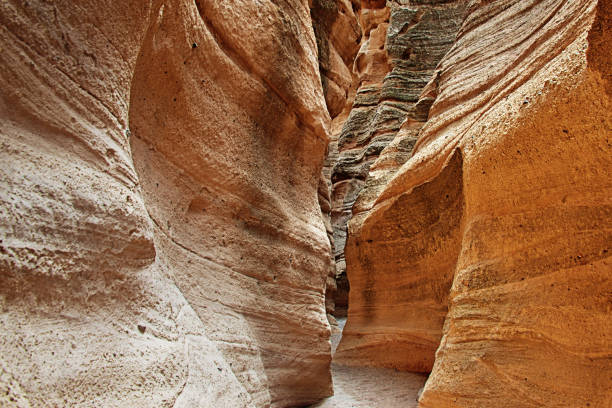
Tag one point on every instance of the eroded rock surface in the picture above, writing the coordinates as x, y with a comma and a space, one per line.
502, 215
162, 241
529, 317
403, 42
164, 199
377, 139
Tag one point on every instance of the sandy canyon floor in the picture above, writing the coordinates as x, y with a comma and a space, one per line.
361, 387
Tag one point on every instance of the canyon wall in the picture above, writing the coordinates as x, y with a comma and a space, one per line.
338, 35
402, 44
166, 206
492, 240
529, 318
162, 241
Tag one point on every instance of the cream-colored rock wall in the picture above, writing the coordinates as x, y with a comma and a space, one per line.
87, 316
229, 156
162, 243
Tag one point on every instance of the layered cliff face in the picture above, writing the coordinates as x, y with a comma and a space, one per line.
338, 35
165, 200
162, 241
494, 237
403, 42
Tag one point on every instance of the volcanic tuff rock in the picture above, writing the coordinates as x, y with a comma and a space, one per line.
338, 33
162, 242
503, 217
402, 44
162, 183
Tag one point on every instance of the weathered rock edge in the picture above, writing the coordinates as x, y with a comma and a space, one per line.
162, 243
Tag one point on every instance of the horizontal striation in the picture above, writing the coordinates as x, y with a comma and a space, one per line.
389, 284
528, 310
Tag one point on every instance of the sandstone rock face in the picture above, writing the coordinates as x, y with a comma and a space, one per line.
165, 201
529, 317
501, 217
338, 33
162, 242
403, 42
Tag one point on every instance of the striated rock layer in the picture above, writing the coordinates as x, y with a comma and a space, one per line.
338, 33
502, 217
403, 42
162, 242
417, 38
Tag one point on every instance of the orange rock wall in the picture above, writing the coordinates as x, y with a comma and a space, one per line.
518, 139
529, 317
395, 319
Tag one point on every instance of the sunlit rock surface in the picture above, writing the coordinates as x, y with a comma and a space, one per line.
501, 217
162, 241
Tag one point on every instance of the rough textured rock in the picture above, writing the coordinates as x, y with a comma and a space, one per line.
162, 187
338, 34
417, 38
529, 317
502, 215
397, 306
162, 243
403, 43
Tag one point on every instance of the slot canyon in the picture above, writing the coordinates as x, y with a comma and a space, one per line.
292, 203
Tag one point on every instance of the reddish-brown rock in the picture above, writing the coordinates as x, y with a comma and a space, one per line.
502, 215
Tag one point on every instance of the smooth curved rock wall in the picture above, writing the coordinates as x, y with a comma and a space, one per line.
523, 98
395, 319
162, 242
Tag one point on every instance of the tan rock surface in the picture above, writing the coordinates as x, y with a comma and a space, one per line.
162, 241
503, 215
87, 317
402, 45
